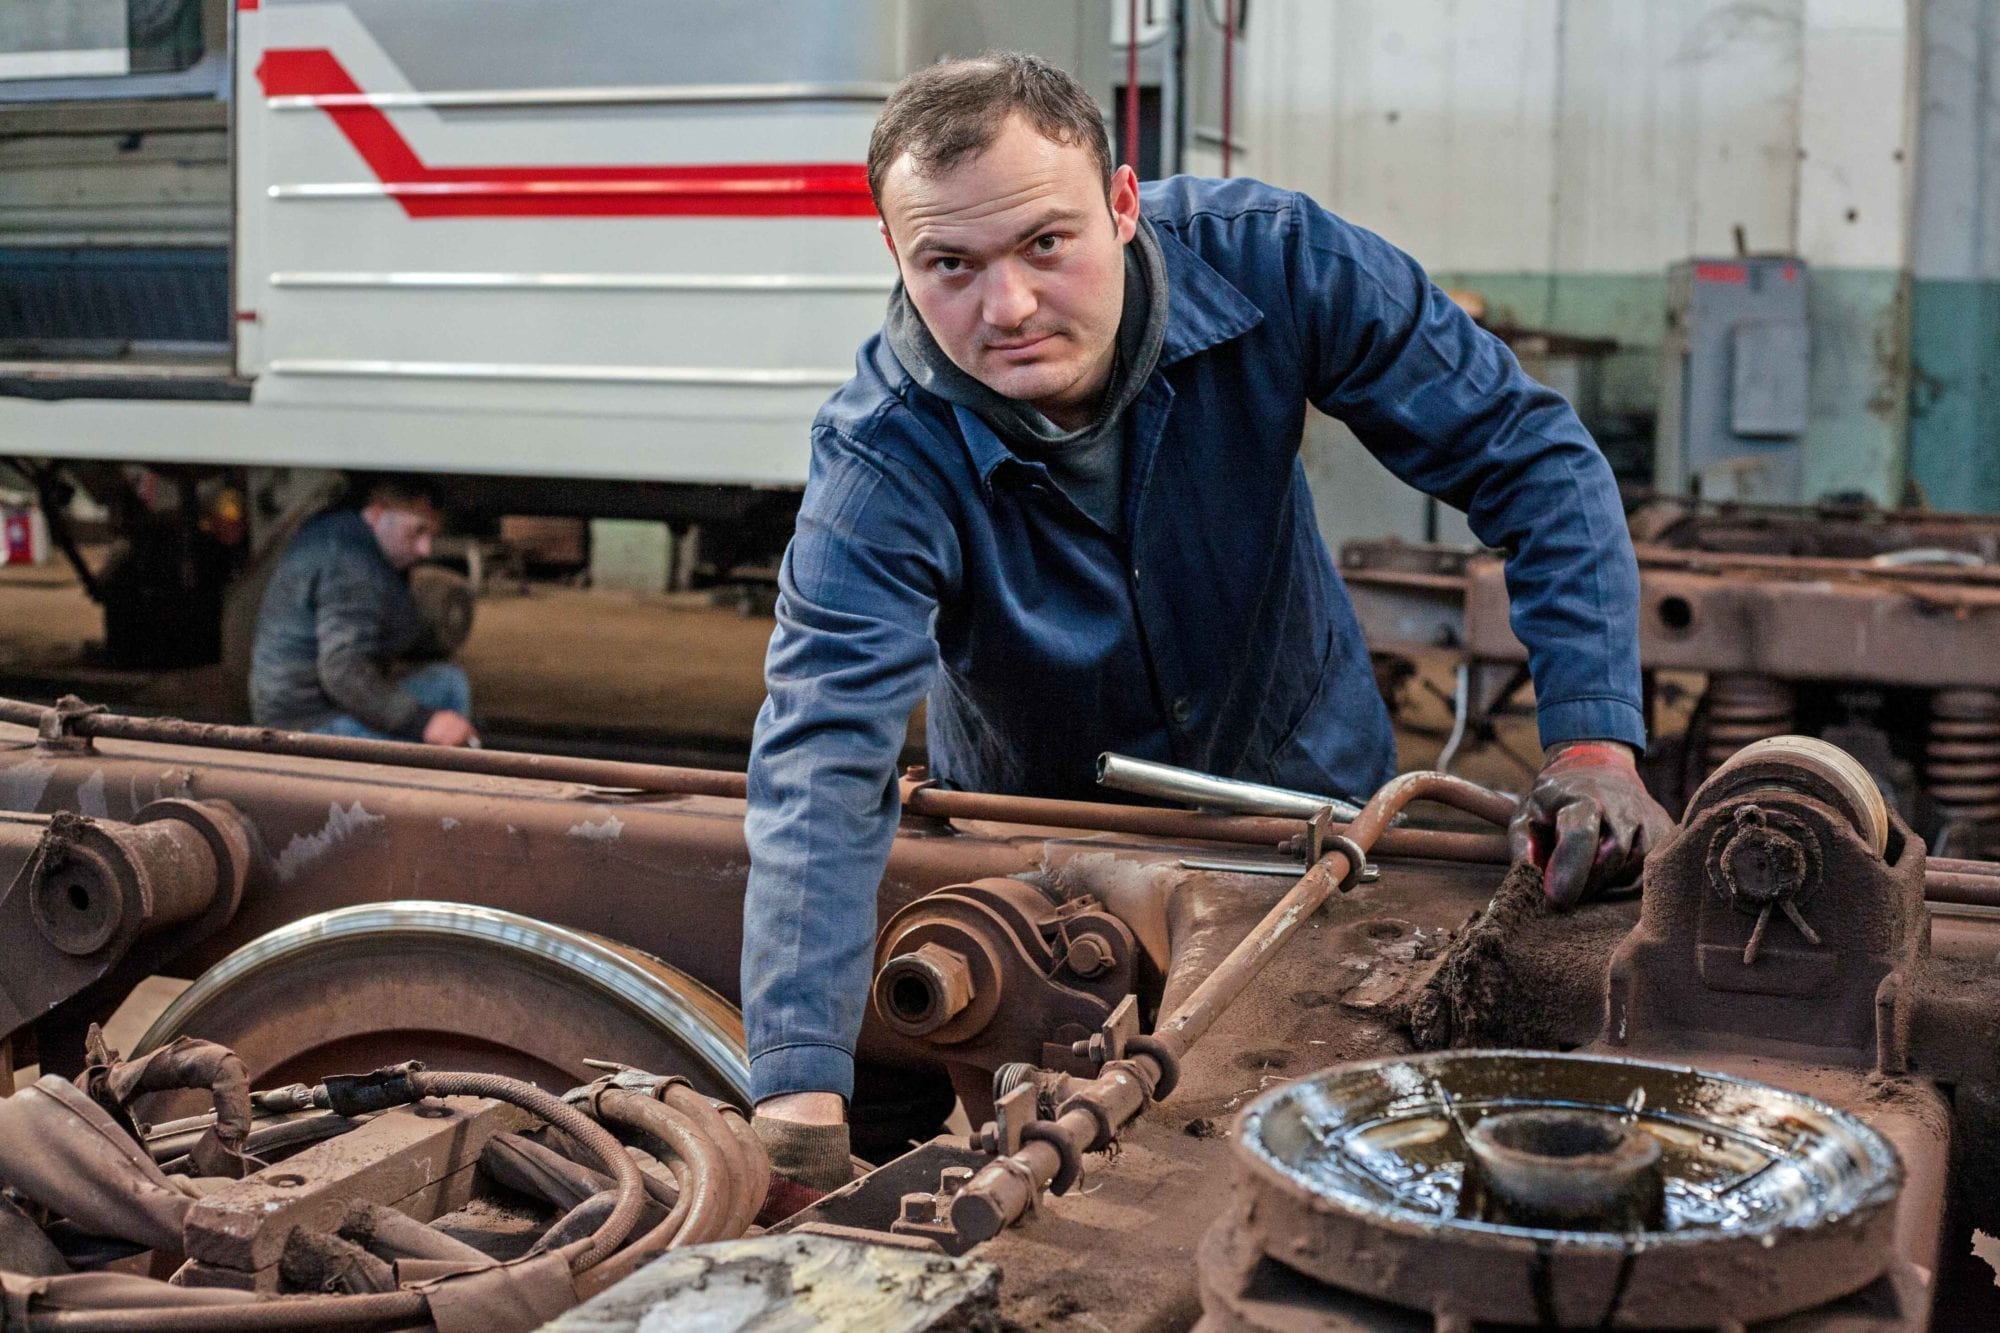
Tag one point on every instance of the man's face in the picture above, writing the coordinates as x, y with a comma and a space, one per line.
403, 529
1017, 265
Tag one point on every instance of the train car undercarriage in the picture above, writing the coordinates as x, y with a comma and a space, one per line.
461, 1051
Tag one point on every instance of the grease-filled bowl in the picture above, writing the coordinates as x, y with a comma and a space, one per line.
1758, 1202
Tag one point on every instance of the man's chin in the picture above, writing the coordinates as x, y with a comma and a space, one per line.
1029, 384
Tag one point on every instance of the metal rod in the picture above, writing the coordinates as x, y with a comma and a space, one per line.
1962, 889
668, 780
402, 754
1246, 960
1169, 782
1004, 1188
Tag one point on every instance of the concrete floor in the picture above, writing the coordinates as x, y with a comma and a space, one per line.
555, 667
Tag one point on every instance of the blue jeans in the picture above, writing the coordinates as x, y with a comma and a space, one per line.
440, 686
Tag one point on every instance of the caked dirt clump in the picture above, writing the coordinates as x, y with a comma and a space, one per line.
1521, 974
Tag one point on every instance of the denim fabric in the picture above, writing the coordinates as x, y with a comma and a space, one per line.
441, 687
929, 559
334, 614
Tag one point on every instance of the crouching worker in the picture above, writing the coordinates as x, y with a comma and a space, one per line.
339, 637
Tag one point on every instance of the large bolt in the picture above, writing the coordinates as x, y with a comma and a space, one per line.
1760, 864
1089, 955
919, 992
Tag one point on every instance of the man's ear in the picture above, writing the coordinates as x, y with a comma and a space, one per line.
1124, 203
889, 241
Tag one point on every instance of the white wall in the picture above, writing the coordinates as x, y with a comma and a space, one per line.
1559, 154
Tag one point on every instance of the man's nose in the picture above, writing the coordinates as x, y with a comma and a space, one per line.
1009, 298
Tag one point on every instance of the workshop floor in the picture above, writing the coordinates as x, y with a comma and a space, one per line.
555, 667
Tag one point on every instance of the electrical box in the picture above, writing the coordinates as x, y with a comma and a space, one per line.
1733, 404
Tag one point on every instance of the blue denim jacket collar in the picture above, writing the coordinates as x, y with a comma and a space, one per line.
1204, 310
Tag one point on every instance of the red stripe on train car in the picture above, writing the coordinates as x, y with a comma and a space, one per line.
746, 189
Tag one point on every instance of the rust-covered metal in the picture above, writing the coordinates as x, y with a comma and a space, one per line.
1871, 628
1105, 1005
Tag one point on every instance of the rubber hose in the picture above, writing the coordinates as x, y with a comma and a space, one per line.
701, 1112
392, 1309
647, 1247
561, 1115
709, 1202
759, 1188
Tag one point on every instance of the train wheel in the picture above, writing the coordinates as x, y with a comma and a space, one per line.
458, 987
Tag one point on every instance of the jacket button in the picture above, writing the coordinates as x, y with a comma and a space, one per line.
1183, 709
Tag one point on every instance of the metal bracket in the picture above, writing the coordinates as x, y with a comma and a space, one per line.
56, 730
1108, 1042
929, 1215
1012, 1114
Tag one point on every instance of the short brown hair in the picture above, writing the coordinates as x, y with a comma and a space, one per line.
954, 109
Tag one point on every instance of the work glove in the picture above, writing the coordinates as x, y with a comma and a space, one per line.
1588, 822
811, 1155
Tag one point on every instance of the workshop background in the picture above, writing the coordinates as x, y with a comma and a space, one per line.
1557, 158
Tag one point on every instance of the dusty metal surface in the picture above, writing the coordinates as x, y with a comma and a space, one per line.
1108, 1011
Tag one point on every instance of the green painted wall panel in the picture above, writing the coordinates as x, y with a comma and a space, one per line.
1856, 433
1955, 392
1857, 427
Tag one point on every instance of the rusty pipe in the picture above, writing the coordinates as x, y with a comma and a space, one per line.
404, 754
1962, 889
276, 1314
919, 992
1004, 1188
1221, 987
668, 780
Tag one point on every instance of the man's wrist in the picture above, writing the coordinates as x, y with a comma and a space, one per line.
1592, 750
805, 1108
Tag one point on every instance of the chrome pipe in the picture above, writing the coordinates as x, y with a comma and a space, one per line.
1205, 791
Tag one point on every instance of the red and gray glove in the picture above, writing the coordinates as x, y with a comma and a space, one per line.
1588, 822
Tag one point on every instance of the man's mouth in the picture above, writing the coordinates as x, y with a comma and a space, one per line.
1015, 346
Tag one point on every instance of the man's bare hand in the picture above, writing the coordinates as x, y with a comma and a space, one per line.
449, 728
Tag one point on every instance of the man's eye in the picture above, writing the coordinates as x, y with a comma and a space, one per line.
1046, 244
948, 264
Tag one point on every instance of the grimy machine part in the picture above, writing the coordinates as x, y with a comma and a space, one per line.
1761, 1094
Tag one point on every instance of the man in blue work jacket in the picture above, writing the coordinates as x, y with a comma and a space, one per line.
1062, 496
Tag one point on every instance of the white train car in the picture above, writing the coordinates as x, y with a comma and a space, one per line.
584, 256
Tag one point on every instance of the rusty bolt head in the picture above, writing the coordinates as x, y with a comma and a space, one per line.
919, 992
1759, 864
920, 1209
1089, 955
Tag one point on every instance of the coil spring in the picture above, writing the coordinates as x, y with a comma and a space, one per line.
1742, 709
1962, 755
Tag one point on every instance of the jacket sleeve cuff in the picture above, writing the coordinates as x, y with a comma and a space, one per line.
801, 1067
1594, 719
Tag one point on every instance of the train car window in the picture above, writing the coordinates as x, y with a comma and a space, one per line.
65, 39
